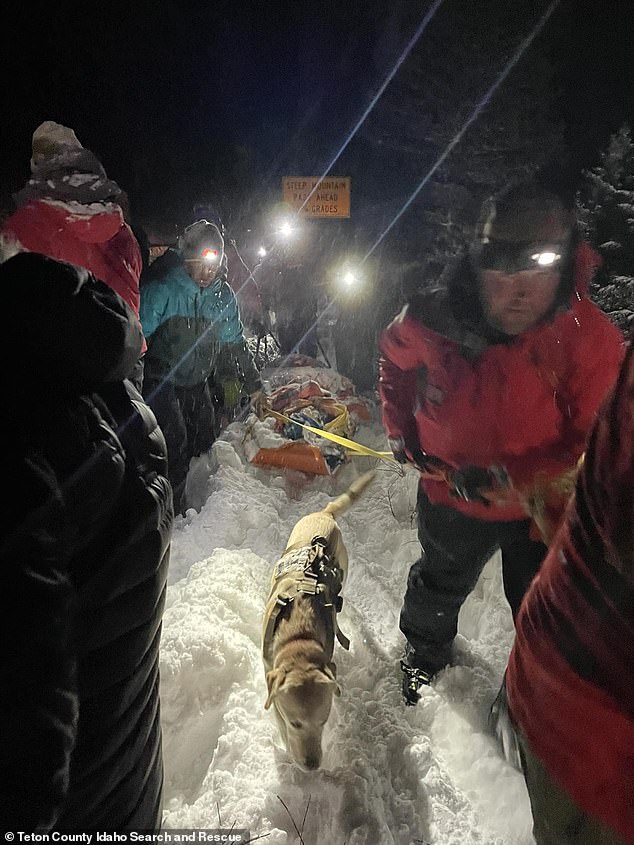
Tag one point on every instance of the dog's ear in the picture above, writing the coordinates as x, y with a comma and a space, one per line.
326, 675
274, 680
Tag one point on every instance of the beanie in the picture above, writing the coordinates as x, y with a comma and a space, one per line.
199, 236
527, 227
52, 140
63, 170
524, 214
521, 228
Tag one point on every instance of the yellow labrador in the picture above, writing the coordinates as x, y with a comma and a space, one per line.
300, 626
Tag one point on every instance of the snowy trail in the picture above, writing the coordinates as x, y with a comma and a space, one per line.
391, 774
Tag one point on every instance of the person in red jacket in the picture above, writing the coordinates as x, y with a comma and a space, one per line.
570, 678
489, 386
70, 210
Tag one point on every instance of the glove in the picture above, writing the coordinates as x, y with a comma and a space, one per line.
410, 455
231, 390
397, 445
470, 482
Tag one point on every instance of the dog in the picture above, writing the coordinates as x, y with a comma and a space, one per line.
300, 626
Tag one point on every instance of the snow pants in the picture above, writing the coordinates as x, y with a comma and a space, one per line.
455, 550
557, 820
187, 419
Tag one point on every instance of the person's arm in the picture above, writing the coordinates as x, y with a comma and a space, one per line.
400, 362
152, 307
38, 698
605, 486
242, 355
230, 332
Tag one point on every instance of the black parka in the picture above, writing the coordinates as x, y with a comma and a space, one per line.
84, 552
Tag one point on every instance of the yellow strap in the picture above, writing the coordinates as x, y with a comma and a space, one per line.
350, 445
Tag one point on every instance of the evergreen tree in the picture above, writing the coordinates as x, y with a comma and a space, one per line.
605, 206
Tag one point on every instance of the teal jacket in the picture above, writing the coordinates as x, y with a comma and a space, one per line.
193, 331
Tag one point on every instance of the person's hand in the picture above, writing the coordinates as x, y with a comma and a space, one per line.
408, 454
472, 483
397, 446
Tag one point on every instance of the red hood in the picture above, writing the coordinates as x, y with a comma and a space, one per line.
95, 237
94, 227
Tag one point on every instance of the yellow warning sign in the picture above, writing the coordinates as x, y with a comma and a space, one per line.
313, 197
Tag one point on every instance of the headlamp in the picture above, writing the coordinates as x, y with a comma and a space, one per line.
546, 259
210, 255
517, 257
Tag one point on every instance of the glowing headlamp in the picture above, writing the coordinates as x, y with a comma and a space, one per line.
349, 280
210, 255
546, 259
518, 257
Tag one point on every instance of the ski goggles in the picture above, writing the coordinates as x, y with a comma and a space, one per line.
518, 257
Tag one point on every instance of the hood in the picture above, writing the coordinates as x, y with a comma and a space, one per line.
97, 223
78, 334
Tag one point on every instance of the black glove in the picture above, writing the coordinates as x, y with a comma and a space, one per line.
397, 445
470, 482
414, 455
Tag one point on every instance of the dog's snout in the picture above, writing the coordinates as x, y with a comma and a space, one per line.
312, 763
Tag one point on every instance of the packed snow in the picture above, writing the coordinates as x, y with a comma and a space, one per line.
391, 774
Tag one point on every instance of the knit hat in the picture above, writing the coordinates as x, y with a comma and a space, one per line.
520, 225
63, 170
52, 140
199, 237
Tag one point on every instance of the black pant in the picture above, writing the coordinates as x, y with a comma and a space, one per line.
455, 551
186, 416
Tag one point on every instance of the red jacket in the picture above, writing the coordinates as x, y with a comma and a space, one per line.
570, 678
525, 404
98, 240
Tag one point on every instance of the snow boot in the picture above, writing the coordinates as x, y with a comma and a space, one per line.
413, 679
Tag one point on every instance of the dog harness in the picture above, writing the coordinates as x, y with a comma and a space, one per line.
306, 570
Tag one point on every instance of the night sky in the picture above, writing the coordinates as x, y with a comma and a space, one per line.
283, 80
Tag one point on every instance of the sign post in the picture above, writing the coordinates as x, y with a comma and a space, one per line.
310, 196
